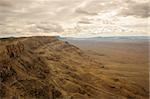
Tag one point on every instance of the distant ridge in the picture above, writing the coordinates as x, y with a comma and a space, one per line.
109, 37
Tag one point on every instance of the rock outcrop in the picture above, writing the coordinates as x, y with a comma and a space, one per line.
15, 50
47, 68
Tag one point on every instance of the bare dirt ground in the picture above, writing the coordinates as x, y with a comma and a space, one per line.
123, 59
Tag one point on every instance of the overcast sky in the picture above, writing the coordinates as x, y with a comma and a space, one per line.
77, 18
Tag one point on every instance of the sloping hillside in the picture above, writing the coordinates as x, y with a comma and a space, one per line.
47, 68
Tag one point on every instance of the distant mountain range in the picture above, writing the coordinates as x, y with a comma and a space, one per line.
110, 37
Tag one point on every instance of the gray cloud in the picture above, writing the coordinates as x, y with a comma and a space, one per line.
49, 27
85, 21
136, 9
64, 10
81, 11
20, 16
4, 4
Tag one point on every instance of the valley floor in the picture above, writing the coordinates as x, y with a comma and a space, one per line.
124, 59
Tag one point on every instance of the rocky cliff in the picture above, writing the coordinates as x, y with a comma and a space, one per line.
15, 50
47, 68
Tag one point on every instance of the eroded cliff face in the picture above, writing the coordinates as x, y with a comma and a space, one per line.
15, 50
47, 68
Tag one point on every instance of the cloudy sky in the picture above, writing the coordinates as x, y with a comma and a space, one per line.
75, 18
